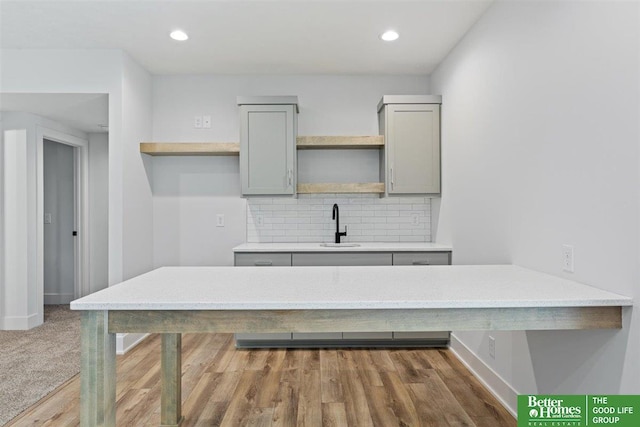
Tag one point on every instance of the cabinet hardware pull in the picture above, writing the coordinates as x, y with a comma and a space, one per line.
263, 263
420, 263
391, 173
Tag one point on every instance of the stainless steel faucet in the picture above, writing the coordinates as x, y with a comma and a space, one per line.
336, 216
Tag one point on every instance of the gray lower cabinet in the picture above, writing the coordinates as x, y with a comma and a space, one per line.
338, 259
422, 258
262, 259
299, 339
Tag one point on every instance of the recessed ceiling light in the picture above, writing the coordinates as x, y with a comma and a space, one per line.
179, 35
389, 36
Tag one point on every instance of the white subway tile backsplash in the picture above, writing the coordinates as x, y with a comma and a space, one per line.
298, 207
368, 217
387, 213
375, 219
262, 201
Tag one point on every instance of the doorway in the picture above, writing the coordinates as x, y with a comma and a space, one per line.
78, 120
63, 231
60, 206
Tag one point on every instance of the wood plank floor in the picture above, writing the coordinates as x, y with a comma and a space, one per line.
223, 386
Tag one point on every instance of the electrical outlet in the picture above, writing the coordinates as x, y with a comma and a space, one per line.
206, 122
260, 220
567, 258
492, 347
197, 122
415, 219
220, 220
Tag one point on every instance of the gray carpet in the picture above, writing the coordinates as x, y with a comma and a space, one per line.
33, 363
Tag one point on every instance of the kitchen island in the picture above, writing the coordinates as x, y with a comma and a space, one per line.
174, 300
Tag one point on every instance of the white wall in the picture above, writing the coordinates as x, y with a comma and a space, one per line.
59, 262
540, 148
99, 210
2, 212
2, 235
137, 249
189, 192
15, 308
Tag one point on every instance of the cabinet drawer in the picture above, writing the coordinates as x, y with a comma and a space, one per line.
342, 258
262, 259
421, 258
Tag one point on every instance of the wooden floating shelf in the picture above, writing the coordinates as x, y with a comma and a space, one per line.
315, 142
367, 187
190, 148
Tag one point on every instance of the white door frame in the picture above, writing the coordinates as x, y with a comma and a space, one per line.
81, 198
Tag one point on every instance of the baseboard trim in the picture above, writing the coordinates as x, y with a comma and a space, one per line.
58, 299
20, 323
496, 385
125, 342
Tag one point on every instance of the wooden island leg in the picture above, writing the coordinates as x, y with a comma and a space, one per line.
171, 371
97, 371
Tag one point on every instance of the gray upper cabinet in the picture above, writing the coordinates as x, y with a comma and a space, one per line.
268, 130
411, 126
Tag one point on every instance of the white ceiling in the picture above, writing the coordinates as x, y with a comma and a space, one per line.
249, 37
85, 112
233, 37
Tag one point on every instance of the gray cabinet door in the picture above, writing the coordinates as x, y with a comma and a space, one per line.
412, 145
417, 259
259, 259
341, 258
267, 149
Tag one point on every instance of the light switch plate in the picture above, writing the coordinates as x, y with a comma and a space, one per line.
220, 220
492, 347
567, 258
206, 122
47, 218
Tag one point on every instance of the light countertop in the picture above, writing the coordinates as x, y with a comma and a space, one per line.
378, 287
363, 247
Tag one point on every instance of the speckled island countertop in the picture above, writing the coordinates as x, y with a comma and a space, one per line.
378, 287
362, 247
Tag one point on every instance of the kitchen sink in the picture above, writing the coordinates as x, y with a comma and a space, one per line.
340, 245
